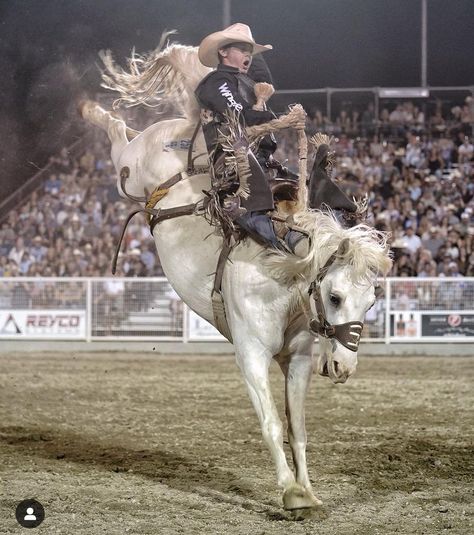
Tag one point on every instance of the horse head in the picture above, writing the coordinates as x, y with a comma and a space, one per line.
341, 270
339, 304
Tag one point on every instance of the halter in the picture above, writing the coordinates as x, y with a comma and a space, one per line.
348, 334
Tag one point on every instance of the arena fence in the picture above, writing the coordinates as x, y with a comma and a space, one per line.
407, 310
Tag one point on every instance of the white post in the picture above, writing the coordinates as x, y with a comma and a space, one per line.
388, 290
226, 13
89, 310
185, 323
424, 44
328, 103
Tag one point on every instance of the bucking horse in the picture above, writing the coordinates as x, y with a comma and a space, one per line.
274, 304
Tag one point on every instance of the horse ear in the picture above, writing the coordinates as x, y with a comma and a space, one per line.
343, 248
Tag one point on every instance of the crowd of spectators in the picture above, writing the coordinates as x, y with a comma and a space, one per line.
417, 175
71, 225
396, 123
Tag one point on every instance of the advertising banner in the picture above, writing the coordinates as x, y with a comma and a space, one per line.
430, 323
405, 324
459, 324
37, 324
200, 329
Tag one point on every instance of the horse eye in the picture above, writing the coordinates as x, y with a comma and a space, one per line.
335, 300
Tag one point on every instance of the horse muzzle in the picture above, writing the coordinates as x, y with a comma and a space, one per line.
335, 370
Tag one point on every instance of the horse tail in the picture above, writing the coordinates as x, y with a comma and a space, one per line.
168, 75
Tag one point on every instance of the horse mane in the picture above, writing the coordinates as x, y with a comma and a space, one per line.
367, 253
169, 74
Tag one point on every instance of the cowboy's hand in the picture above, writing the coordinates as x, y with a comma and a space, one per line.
297, 117
263, 92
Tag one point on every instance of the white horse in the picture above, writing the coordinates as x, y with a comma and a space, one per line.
266, 295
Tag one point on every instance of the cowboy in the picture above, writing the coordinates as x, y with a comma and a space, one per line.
230, 89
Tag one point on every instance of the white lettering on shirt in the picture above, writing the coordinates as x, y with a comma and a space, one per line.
227, 94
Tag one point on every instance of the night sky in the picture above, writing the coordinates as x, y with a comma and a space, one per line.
49, 53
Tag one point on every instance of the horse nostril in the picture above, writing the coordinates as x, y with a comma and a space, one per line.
325, 370
336, 368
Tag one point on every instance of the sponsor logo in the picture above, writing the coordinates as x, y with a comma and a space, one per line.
42, 323
227, 94
10, 326
180, 144
454, 320
49, 320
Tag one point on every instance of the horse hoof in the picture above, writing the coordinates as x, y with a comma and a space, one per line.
84, 107
297, 497
91, 111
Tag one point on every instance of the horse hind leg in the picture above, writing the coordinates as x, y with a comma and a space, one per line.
116, 128
94, 114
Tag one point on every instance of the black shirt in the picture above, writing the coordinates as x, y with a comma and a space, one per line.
227, 89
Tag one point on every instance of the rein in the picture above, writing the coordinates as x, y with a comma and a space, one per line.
348, 334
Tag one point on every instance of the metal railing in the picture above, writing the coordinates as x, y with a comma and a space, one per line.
375, 94
408, 310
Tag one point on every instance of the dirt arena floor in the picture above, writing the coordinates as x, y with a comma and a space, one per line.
112, 444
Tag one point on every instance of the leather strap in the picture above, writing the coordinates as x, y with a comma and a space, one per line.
217, 299
322, 272
190, 149
170, 213
157, 216
171, 181
289, 224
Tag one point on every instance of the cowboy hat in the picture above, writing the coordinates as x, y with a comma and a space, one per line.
237, 33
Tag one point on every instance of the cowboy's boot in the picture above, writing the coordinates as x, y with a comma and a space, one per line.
263, 230
298, 243
322, 190
295, 241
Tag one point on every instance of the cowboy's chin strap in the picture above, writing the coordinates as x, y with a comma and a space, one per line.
348, 334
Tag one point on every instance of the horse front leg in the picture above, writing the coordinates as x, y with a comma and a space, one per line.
297, 366
254, 366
